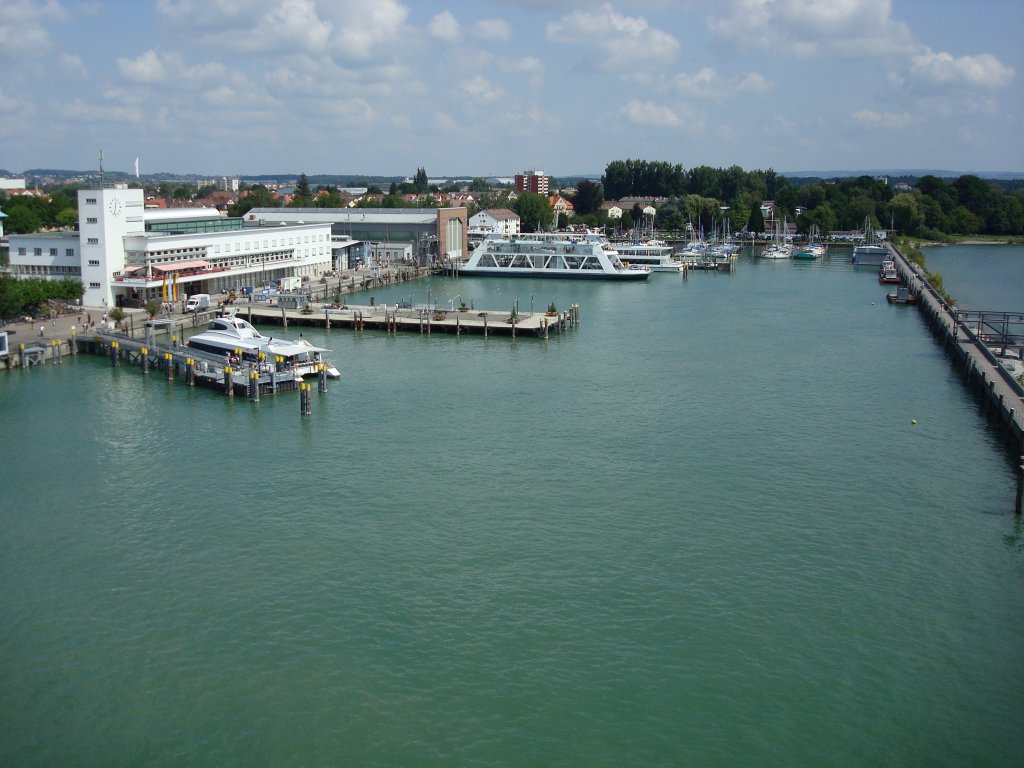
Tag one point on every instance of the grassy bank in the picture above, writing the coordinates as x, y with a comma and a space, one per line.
911, 250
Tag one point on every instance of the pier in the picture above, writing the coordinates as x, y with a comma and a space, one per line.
416, 319
195, 367
971, 338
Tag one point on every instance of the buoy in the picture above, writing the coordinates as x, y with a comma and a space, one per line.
913, 421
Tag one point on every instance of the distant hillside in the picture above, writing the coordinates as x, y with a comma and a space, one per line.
905, 173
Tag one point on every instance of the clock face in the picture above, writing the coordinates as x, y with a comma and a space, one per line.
115, 207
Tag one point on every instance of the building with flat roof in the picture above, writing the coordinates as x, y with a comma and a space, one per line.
533, 181
126, 254
434, 234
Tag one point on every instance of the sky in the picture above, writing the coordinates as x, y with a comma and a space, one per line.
495, 87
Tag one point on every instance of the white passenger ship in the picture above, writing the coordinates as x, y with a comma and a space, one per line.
577, 255
233, 336
650, 253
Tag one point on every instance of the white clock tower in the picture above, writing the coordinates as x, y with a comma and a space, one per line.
105, 216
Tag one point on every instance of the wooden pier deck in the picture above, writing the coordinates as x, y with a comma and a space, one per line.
395, 318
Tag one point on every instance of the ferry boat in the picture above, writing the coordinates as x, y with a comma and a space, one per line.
577, 255
229, 335
654, 254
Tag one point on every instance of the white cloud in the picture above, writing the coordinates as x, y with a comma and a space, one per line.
883, 119
811, 27
494, 30
445, 122
72, 64
981, 71
649, 113
147, 68
629, 43
528, 67
709, 85
23, 29
349, 29
481, 90
445, 28
83, 111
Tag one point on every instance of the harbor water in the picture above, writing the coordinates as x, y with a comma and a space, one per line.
738, 519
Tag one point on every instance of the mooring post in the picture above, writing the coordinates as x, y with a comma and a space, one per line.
229, 388
485, 325
327, 318
73, 344
284, 316
254, 386
1020, 486
144, 353
114, 356
168, 365
190, 371
321, 377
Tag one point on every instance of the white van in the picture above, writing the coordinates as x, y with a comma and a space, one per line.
197, 302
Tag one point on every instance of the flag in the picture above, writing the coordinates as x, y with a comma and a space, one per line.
165, 287
175, 287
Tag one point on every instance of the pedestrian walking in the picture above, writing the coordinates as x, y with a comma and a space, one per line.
42, 330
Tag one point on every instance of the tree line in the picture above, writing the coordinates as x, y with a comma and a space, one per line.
20, 297
933, 207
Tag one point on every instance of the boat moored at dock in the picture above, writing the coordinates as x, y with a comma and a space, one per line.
550, 254
654, 254
230, 335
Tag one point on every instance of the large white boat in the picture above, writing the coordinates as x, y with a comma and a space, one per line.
578, 255
233, 336
655, 254
872, 252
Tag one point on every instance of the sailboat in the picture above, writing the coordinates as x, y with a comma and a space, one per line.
779, 249
814, 247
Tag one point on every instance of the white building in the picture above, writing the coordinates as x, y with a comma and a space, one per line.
494, 220
126, 255
12, 185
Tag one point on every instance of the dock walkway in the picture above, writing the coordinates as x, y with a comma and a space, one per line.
426, 320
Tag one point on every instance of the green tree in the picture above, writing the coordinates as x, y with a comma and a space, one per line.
302, 197
67, 218
906, 216
257, 196
420, 185
755, 223
534, 211
21, 220
588, 198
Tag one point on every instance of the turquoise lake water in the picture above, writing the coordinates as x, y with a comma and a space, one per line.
699, 529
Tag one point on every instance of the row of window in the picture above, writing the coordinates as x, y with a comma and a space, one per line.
39, 252
43, 269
